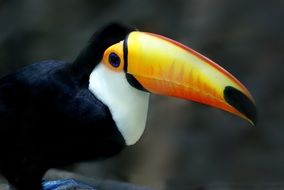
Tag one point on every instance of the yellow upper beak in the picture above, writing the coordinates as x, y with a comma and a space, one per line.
166, 67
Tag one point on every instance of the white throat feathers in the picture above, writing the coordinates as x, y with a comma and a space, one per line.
128, 105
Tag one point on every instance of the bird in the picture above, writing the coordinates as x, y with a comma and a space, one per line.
54, 113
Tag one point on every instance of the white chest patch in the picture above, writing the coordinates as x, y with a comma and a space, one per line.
128, 105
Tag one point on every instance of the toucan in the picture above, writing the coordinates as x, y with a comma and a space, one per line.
54, 113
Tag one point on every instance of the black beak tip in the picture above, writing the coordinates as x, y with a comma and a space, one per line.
241, 102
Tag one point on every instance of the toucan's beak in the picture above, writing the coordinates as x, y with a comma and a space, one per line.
166, 67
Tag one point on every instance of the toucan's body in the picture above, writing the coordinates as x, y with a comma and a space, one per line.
48, 120
54, 113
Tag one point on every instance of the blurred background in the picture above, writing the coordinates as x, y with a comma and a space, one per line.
185, 145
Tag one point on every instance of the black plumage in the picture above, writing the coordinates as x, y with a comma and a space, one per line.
49, 118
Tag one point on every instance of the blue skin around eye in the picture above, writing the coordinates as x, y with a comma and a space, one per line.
114, 59
66, 184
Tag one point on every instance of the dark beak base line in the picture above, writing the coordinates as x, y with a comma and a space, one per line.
130, 78
125, 53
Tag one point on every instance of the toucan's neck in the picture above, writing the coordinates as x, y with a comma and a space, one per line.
128, 105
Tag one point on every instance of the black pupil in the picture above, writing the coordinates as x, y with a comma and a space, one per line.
114, 59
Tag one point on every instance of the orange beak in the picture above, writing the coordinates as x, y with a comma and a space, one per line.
166, 67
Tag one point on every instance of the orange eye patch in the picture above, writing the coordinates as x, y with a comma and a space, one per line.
113, 57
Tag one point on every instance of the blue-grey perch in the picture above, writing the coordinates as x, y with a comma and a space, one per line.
66, 184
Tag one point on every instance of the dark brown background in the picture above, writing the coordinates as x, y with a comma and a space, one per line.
185, 145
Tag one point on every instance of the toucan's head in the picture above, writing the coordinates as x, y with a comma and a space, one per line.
138, 63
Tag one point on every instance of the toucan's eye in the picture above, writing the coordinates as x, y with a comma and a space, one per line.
114, 59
